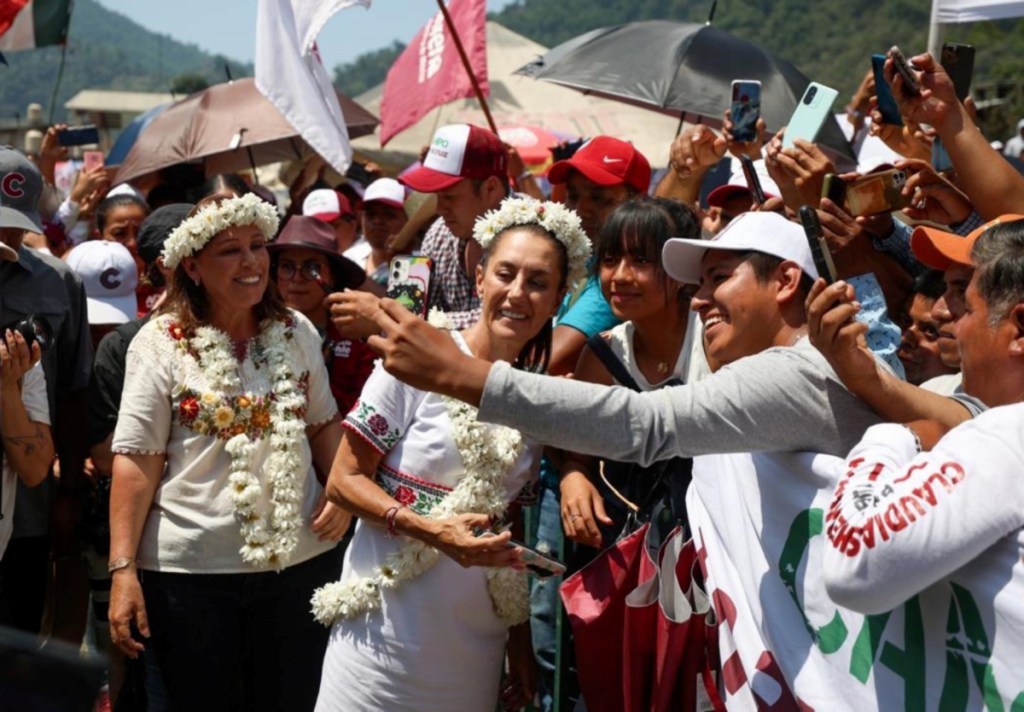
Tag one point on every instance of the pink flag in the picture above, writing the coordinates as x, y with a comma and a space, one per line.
429, 72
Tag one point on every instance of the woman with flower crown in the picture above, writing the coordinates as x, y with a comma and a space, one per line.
433, 599
219, 529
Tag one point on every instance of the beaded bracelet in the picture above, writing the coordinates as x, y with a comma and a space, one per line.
389, 521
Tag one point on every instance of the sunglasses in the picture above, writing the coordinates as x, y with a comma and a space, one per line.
310, 270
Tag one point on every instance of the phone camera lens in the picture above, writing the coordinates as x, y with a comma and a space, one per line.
397, 274
809, 96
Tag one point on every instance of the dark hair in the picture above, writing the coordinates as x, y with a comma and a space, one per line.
188, 301
764, 265
641, 227
224, 183
998, 256
478, 182
930, 284
120, 200
536, 354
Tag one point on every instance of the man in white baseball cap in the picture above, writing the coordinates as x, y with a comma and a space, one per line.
108, 271
334, 208
383, 216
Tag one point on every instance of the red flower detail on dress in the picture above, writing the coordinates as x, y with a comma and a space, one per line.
176, 332
378, 424
188, 409
405, 495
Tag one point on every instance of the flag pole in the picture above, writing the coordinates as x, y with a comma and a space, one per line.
469, 69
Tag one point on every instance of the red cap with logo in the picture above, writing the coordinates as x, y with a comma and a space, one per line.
606, 161
457, 152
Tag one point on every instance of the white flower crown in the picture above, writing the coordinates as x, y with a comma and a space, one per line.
557, 219
194, 232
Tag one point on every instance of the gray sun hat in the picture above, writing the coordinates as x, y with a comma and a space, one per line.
20, 188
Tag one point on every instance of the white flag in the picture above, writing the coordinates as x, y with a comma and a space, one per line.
290, 74
955, 11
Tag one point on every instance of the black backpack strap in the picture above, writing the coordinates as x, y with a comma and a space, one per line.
615, 367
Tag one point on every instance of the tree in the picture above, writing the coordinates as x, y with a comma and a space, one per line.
189, 83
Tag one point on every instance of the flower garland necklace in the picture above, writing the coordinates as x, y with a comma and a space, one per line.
269, 540
487, 455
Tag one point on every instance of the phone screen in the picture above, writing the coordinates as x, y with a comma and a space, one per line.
746, 109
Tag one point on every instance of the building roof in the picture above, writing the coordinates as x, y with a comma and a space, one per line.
102, 100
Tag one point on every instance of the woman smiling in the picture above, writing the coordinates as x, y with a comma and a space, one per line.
432, 599
219, 528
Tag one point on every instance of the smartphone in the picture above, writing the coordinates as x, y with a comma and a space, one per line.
958, 61
886, 102
78, 135
815, 106
820, 253
92, 159
538, 564
911, 85
753, 182
746, 109
409, 282
877, 193
941, 161
834, 188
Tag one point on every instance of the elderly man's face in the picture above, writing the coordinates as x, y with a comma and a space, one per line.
985, 349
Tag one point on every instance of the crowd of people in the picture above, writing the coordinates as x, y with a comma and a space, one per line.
250, 480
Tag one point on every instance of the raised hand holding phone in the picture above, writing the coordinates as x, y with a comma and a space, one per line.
745, 109
809, 116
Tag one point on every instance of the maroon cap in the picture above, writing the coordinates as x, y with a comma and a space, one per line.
458, 151
309, 233
606, 161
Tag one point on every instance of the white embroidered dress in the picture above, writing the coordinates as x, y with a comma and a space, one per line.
436, 644
169, 407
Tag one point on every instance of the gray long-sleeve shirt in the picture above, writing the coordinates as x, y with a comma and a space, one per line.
780, 400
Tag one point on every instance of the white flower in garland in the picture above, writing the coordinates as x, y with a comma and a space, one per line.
195, 231
487, 454
269, 540
557, 219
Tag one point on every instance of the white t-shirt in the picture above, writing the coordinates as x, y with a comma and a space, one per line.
359, 252
33, 396
168, 408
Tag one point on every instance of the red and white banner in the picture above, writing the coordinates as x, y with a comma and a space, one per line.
429, 72
27, 24
290, 74
956, 11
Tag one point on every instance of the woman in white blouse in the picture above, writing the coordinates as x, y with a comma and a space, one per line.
219, 527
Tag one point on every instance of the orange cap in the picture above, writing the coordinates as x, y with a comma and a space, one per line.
939, 249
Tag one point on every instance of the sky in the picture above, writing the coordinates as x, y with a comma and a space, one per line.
228, 27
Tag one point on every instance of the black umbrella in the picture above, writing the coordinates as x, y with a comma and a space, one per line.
681, 69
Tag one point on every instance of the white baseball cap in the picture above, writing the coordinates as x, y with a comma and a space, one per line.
769, 233
108, 271
326, 204
385, 190
456, 152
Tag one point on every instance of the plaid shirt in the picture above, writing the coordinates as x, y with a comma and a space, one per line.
451, 289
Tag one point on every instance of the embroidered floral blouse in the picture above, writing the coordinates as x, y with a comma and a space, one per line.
169, 407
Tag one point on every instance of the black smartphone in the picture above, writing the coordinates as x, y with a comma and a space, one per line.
958, 61
834, 188
820, 253
753, 182
78, 135
910, 83
887, 106
745, 109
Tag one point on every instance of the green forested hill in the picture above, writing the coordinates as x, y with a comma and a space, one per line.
106, 50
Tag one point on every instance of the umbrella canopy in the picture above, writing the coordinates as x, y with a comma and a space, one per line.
534, 144
228, 127
130, 134
678, 68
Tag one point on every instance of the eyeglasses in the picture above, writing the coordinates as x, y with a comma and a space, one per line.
310, 270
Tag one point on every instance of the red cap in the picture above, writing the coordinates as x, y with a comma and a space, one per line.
458, 151
606, 161
939, 249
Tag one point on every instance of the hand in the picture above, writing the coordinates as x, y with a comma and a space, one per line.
908, 140
520, 683
582, 505
859, 104
696, 150
937, 102
16, 358
424, 357
127, 606
842, 230
329, 521
352, 313
743, 148
802, 169
457, 538
50, 148
90, 181
934, 198
833, 330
